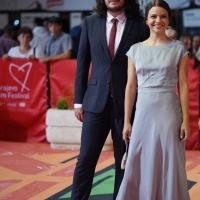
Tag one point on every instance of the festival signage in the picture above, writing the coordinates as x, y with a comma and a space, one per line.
54, 3
50, 5
178, 4
191, 18
22, 100
27, 18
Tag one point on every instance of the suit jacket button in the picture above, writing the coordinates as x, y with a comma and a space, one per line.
108, 82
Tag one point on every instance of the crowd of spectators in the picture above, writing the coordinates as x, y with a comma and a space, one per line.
47, 42
192, 42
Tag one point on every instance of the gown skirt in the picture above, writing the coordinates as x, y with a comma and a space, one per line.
155, 168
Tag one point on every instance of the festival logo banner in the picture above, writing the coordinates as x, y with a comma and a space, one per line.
54, 3
23, 101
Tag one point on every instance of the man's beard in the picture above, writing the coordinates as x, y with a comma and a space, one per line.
117, 9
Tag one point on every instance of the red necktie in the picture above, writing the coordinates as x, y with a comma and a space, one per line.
112, 45
112, 38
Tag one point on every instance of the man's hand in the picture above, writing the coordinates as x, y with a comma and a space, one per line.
79, 113
31, 57
44, 59
6, 57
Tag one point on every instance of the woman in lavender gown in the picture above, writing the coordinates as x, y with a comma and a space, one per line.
155, 168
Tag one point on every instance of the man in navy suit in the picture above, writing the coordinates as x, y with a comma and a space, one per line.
99, 100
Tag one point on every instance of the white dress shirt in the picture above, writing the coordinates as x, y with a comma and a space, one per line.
120, 29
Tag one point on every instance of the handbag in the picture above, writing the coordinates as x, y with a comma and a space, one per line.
124, 158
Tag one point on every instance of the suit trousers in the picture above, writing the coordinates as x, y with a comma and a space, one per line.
96, 127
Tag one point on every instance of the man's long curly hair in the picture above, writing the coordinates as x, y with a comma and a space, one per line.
131, 8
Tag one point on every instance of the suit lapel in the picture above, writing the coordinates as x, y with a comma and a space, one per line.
103, 36
127, 28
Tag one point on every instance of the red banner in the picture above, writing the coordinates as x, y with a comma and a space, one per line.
62, 74
23, 101
194, 107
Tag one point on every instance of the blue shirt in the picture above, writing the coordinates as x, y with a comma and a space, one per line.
58, 45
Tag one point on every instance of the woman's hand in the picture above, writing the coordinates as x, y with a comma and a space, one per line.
185, 131
6, 57
127, 132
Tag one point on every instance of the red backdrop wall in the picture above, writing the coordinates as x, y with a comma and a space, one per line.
23, 99
23, 102
62, 74
194, 108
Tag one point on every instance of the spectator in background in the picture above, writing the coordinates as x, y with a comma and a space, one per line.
198, 54
59, 44
197, 60
24, 50
40, 35
171, 33
186, 39
45, 23
75, 33
195, 44
7, 39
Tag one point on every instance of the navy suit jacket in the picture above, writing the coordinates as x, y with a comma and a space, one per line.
93, 93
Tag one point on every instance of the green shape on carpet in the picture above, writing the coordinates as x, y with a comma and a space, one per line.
106, 186
102, 187
102, 184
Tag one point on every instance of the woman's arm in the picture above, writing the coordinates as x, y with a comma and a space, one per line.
130, 93
184, 96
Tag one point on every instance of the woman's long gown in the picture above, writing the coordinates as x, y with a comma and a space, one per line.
155, 168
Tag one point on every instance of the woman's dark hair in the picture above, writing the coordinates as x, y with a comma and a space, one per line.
131, 7
157, 3
25, 30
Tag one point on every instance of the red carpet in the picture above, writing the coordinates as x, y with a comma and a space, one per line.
34, 171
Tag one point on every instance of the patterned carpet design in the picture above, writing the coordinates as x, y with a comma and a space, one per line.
34, 171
